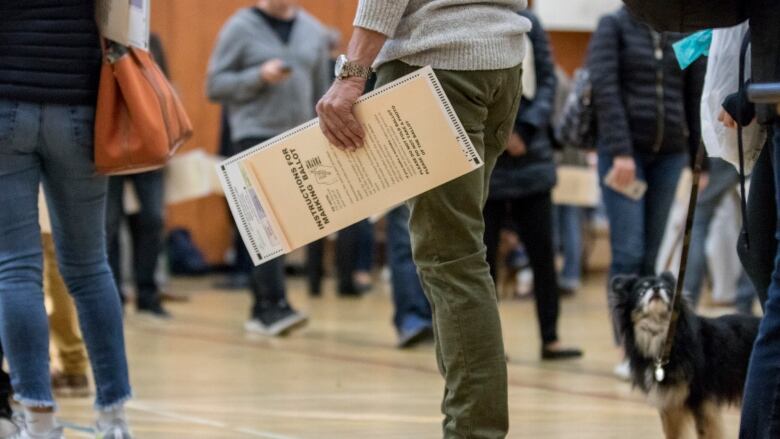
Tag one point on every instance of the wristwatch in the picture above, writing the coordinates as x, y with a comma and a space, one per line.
348, 69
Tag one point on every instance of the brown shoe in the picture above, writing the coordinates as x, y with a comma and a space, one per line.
70, 386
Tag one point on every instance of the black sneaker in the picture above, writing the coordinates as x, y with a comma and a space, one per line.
154, 309
276, 320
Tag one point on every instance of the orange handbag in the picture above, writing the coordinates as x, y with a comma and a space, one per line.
139, 121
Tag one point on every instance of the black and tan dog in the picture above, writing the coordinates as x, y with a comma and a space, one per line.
709, 358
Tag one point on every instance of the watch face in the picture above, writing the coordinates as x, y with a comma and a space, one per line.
340, 61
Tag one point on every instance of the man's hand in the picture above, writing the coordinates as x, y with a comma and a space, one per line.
515, 146
337, 120
624, 169
273, 71
725, 118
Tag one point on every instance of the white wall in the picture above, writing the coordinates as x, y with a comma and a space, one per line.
573, 15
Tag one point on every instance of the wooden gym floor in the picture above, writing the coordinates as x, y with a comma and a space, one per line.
200, 376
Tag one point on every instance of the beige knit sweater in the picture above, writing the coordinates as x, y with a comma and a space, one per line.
448, 34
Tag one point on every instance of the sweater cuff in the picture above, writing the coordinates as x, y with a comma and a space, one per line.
251, 79
380, 16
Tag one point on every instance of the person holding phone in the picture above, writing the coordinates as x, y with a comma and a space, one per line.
270, 66
647, 118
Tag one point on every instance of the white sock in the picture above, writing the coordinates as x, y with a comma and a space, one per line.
39, 423
107, 417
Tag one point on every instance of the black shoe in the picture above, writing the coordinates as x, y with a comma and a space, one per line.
276, 320
561, 354
154, 309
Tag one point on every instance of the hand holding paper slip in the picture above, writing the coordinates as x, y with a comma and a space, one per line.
297, 188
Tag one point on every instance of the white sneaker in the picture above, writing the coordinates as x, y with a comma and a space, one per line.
8, 429
623, 370
22, 433
117, 429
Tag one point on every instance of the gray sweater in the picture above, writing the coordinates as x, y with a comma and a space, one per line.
257, 109
448, 34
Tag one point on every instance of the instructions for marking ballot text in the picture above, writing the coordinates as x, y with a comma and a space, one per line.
297, 188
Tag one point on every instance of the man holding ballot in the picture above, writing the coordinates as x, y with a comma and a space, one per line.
476, 48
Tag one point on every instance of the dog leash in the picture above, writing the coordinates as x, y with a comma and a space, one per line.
662, 360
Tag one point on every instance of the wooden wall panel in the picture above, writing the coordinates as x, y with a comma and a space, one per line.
188, 30
569, 48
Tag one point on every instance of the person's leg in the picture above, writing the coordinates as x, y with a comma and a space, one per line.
23, 323
146, 227
412, 310
626, 230
570, 226
761, 403
662, 175
494, 213
114, 215
722, 179
314, 271
365, 248
346, 257
447, 240
268, 285
66, 340
533, 216
761, 222
746, 295
76, 196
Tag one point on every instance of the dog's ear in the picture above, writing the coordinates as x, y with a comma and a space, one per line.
620, 288
623, 284
669, 278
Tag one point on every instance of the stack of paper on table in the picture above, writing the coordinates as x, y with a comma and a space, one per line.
297, 188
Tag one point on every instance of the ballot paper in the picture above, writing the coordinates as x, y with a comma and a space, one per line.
297, 188
124, 21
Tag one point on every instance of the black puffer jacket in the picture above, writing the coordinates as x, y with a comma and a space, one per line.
689, 15
643, 101
533, 172
49, 51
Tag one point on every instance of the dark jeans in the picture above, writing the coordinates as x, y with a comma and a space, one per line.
146, 229
636, 228
267, 281
723, 178
761, 404
533, 217
412, 309
354, 252
567, 231
315, 271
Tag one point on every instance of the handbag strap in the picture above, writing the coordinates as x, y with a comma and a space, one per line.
663, 359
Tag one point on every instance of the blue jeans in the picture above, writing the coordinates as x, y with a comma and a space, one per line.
412, 309
146, 229
761, 404
568, 227
723, 178
52, 144
637, 227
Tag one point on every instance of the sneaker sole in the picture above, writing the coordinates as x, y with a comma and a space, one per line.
287, 325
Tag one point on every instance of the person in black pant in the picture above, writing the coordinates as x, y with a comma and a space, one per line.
761, 222
146, 226
520, 189
270, 66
